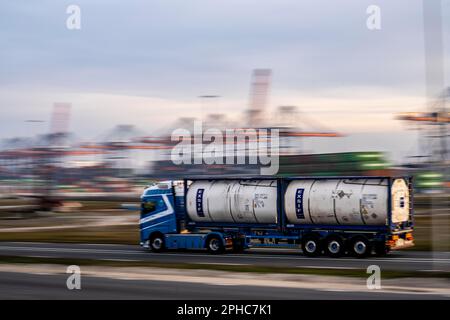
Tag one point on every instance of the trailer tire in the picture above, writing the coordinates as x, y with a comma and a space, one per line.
334, 246
214, 245
311, 245
360, 247
157, 243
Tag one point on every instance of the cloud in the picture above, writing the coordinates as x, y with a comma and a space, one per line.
181, 47
155, 57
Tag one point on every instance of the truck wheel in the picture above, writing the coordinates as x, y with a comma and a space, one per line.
157, 243
334, 247
214, 245
311, 246
360, 247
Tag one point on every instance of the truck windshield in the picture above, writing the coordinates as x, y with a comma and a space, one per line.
153, 205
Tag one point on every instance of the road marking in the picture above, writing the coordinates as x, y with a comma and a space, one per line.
269, 250
432, 270
211, 256
330, 267
223, 264
121, 260
240, 256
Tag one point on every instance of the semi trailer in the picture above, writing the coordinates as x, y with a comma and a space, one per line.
335, 216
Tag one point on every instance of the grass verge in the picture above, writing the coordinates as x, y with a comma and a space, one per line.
126, 234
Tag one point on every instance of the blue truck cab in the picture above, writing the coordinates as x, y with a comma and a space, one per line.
162, 223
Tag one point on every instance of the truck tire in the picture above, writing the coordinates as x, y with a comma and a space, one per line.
360, 247
157, 243
334, 246
214, 245
311, 246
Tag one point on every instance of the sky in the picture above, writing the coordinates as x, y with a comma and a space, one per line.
146, 63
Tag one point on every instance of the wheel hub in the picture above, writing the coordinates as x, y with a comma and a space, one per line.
334, 246
360, 247
214, 245
311, 246
157, 243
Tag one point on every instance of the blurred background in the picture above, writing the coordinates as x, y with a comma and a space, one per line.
87, 115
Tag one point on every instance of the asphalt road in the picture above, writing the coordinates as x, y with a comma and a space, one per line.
34, 286
20, 285
397, 260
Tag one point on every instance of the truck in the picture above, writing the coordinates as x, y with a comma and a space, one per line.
334, 216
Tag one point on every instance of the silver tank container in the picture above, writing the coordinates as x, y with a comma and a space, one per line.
234, 201
306, 201
345, 201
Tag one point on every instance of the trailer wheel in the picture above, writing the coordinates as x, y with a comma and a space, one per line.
157, 243
360, 247
214, 245
311, 246
334, 247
